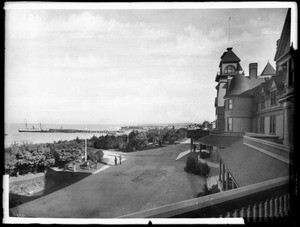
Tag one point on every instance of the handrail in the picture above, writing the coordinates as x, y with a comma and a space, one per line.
266, 142
213, 200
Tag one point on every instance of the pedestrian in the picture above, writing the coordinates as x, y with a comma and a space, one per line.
120, 159
96, 162
116, 160
194, 148
74, 166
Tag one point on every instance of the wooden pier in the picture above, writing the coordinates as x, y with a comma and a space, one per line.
83, 131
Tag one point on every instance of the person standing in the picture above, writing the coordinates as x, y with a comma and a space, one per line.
74, 166
120, 159
116, 160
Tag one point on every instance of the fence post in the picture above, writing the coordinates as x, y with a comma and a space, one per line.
5, 198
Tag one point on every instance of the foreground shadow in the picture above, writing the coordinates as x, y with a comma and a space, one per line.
54, 180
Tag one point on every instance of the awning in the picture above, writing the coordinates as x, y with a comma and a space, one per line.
196, 134
218, 140
249, 166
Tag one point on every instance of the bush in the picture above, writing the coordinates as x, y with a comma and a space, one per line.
95, 154
192, 166
208, 191
137, 140
204, 155
25, 158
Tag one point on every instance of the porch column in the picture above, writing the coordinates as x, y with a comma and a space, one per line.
227, 180
223, 176
220, 169
232, 184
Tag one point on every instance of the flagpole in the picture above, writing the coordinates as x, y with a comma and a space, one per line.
85, 147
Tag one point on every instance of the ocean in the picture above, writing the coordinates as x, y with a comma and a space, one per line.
13, 135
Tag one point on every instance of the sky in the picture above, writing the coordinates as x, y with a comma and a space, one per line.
127, 66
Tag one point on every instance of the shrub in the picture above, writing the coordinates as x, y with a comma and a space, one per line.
204, 155
95, 154
208, 191
137, 140
192, 166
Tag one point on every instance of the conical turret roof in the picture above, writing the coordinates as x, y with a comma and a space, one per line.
229, 56
268, 70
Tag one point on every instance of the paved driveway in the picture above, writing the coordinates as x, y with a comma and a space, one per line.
147, 179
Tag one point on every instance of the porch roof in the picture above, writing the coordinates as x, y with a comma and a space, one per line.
218, 140
249, 166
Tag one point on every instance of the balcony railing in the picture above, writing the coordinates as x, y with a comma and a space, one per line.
275, 150
263, 201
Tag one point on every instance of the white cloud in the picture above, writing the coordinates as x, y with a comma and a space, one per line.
268, 31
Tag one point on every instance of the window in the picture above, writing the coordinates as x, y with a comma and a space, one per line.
229, 124
262, 102
229, 69
262, 125
229, 104
291, 72
272, 124
273, 98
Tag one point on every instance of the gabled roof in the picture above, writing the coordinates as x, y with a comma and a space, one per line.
250, 166
229, 56
267, 86
240, 84
283, 45
268, 70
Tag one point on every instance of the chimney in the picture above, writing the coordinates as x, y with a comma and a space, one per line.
253, 70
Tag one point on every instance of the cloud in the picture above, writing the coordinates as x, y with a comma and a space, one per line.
268, 31
32, 24
89, 61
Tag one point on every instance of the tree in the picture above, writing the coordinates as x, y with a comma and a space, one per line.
24, 158
66, 151
205, 124
137, 140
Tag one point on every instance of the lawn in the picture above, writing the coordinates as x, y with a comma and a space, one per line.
147, 179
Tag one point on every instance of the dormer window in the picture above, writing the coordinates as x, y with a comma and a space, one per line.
273, 98
229, 69
229, 104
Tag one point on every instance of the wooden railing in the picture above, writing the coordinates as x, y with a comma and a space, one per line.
257, 202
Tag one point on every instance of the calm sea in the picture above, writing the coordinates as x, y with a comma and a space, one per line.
13, 135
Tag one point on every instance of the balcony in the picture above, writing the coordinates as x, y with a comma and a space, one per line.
268, 145
258, 202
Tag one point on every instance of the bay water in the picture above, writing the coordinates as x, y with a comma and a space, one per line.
13, 135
